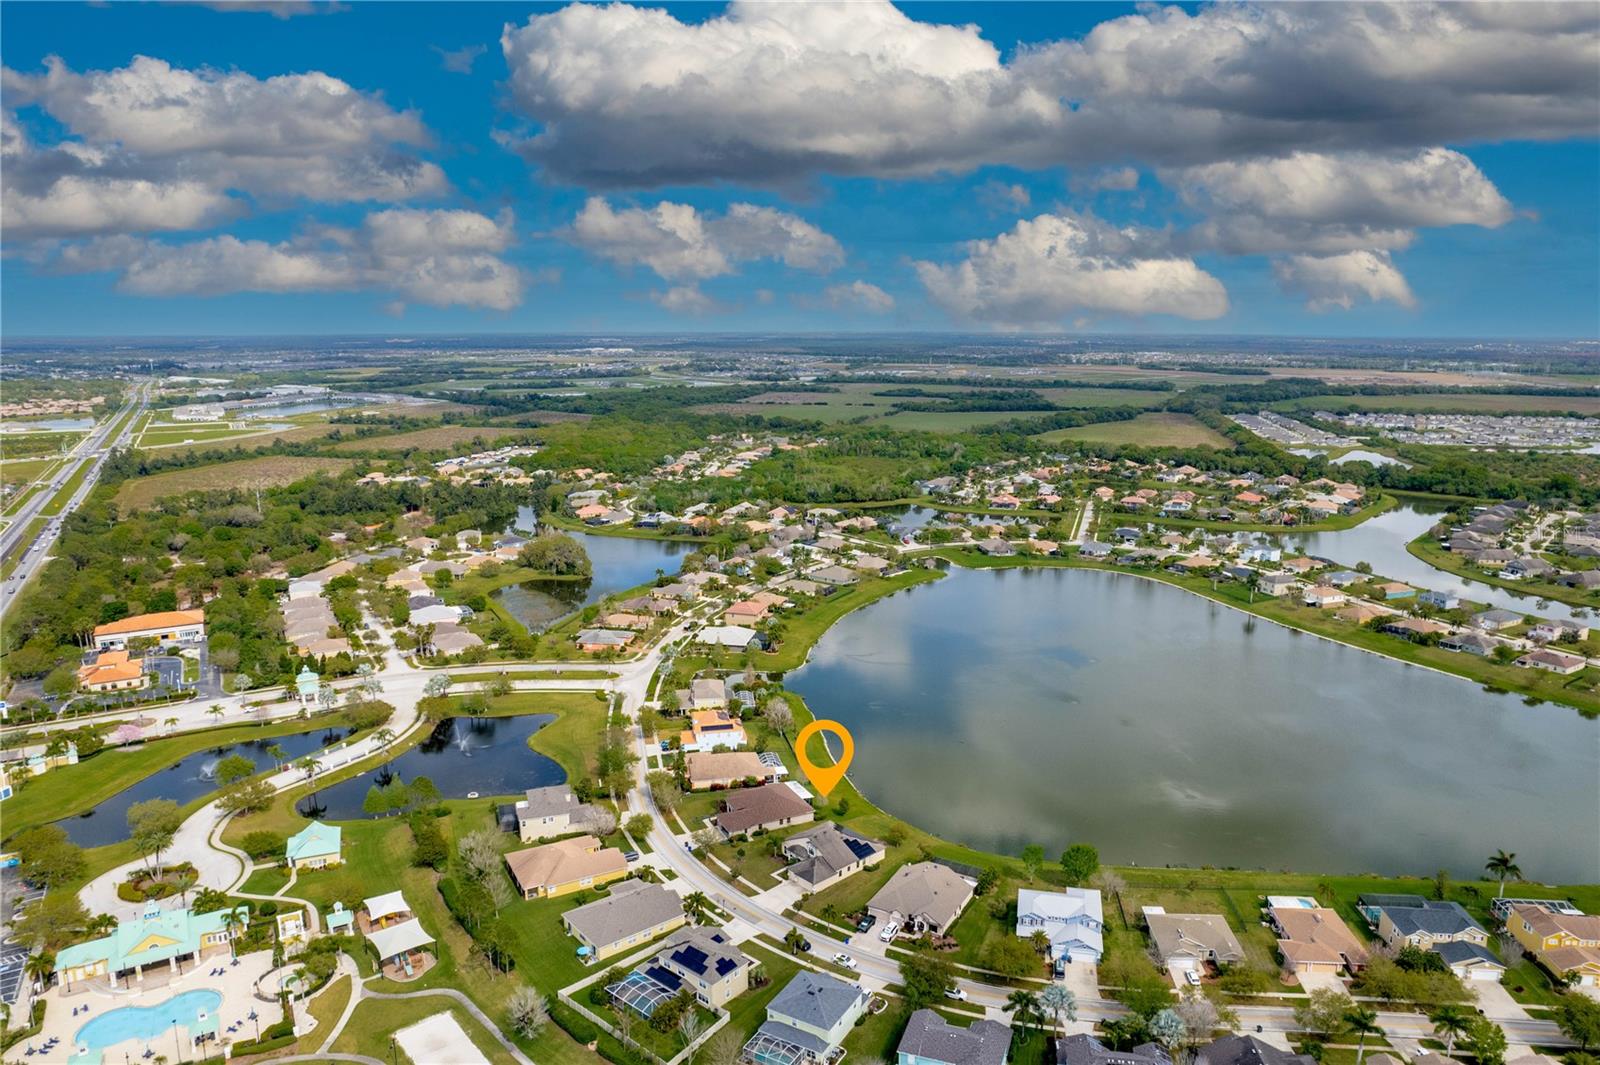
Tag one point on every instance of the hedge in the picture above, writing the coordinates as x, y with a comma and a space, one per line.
264, 1046
575, 1024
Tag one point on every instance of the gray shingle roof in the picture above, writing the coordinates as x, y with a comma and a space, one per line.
1247, 1050
1434, 918
1087, 1050
817, 999
632, 907
930, 1038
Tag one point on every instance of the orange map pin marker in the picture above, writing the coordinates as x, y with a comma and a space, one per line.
825, 777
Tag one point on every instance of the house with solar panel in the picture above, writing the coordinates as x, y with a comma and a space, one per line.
703, 961
825, 855
807, 1021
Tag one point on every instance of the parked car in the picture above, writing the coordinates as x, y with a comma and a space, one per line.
956, 993
866, 922
1192, 977
844, 959
890, 930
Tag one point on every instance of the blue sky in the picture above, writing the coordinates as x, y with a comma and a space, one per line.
824, 169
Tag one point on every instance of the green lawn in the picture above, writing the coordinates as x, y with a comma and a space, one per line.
1147, 430
375, 1021
265, 880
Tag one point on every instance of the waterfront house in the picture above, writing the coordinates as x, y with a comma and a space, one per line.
1322, 596
807, 1021
1496, 619
155, 936
929, 1039
1095, 549
315, 847
1315, 940
1410, 920
921, 897
1360, 613
1471, 643
1552, 661
1343, 578
721, 769
1538, 928
825, 855
1072, 919
1396, 590
553, 811
635, 912
1187, 941
1275, 584
767, 807
565, 866
1439, 600
1415, 628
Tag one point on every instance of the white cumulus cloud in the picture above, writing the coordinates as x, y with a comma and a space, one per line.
680, 243
858, 296
1338, 281
1052, 267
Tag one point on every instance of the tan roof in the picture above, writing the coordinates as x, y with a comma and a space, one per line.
1194, 935
1317, 936
925, 889
723, 765
751, 807
1566, 959
1544, 923
164, 619
563, 862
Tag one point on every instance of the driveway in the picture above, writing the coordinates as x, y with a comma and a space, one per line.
1312, 981
1496, 1002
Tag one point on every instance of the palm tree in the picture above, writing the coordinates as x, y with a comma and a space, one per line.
1364, 1022
238, 919
1503, 867
1024, 1009
215, 711
696, 904
40, 967
1060, 1002
1450, 1021
171, 723
276, 753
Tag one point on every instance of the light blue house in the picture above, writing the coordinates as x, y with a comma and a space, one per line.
1072, 919
315, 847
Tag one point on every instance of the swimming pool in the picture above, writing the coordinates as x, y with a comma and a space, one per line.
195, 1011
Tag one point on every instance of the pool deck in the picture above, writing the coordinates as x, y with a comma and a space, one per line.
237, 984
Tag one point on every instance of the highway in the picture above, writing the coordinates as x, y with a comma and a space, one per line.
93, 450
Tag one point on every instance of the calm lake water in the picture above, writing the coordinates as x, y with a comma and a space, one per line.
184, 780
999, 708
487, 755
1382, 541
619, 563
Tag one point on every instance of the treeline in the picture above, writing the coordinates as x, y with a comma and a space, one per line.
1133, 384
988, 399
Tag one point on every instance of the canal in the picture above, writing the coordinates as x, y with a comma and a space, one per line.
1003, 707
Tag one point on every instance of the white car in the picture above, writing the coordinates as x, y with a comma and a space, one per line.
956, 993
1192, 977
845, 960
890, 930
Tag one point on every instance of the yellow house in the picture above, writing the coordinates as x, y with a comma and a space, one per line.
1539, 930
565, 866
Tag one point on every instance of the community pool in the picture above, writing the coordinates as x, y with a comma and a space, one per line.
195, 1011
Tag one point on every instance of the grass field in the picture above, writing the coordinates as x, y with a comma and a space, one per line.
267, 472
1147, 430
1105, 397
1511, 403
440, 436
20, 471
376, 1020
952, 421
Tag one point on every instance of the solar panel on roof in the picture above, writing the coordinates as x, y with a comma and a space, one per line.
690, 958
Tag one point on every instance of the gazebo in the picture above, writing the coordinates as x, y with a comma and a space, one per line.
306, 685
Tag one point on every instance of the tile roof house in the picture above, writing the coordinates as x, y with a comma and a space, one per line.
1187, 940
711, 730
808, 1020
769, 806
929, 1039
1072, 918
1315, 940
827, 854
112, 671
921, 897
565, 866
635, 912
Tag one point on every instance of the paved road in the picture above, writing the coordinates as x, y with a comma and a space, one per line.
93, 449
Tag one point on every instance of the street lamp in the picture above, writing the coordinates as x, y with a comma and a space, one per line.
178, 1042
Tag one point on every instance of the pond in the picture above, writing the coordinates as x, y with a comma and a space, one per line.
486, 755
620, 563
188, 778
1381, 542
1358, 455
1003, 707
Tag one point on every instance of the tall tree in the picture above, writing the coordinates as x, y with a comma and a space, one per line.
926, 977
153, 824
1450, 1022
1362, 1020
1503, 867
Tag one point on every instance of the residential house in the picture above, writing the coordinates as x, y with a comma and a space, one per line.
316, 846
745, 612
1471, 643
1473, 961
1552, 661
1187, 941
737, 637
1539, 929
722, 769
1410, 920
711, 730
1087, 1050
807, 1021
635, 912
1275, 584
921, 897
825, 855
1496, 619
1320, 595
1396, 590
1247, 1050
704, 961
1439, 600
1360, 613
1072, 919
929, 1039
767, 807
551, 811
1415, 628
706, 693
565, 866
594, 641
1315, 940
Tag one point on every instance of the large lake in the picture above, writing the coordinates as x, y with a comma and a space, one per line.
1001, 707
619, 562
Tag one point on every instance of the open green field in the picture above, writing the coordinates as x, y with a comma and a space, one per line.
1147, 430
952, 421
1511, 403
439, 436
267, 472
375, 1021
169, 434
20, 471
1105, 397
